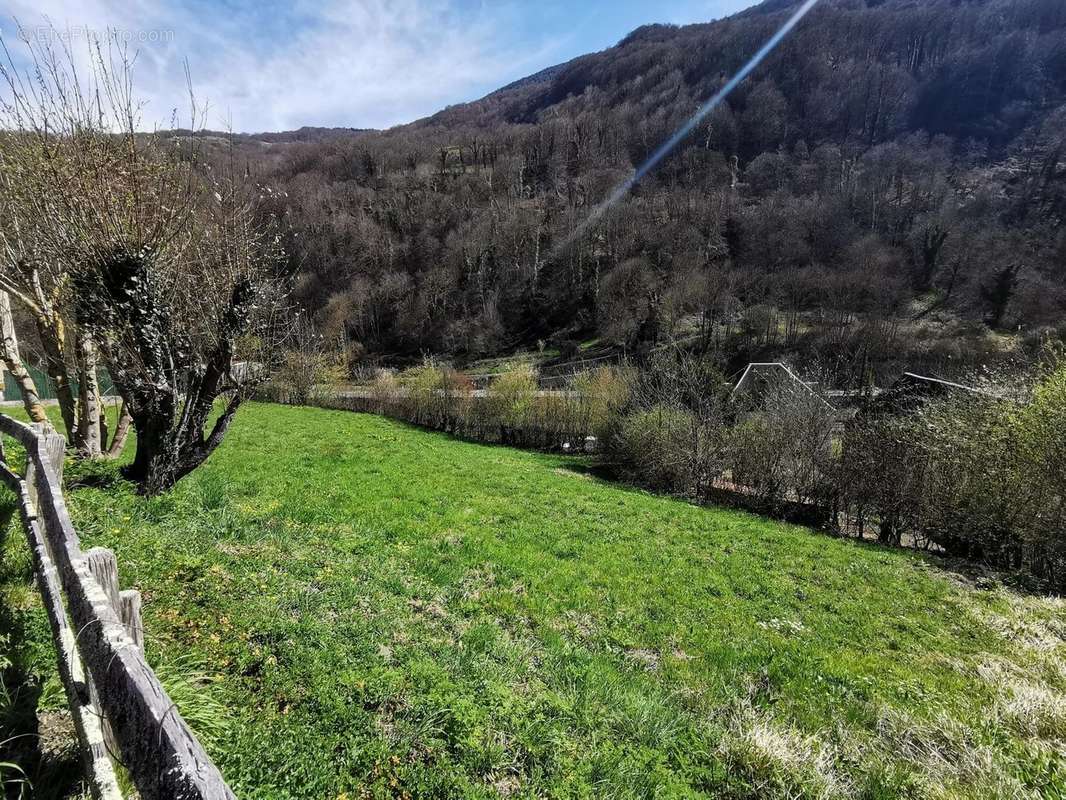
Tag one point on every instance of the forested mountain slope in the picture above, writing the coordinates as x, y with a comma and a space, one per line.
887, 188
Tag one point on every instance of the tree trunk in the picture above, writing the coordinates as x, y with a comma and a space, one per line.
88, 440
53, 339
122, 432
169, 398
9, 351
165, 454
153, 421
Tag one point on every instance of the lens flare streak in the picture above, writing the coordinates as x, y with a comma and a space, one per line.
623, 188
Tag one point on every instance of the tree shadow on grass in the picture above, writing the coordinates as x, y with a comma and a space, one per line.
40, 741
978, 575
590, 469
91, 473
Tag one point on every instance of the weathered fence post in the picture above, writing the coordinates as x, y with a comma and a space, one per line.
130, 614
127, 603
31, 469
55, 451
104, 567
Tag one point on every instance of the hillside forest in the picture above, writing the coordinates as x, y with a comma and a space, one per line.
886, 192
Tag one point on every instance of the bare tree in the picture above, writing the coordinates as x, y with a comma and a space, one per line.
186, 322
311, 364
150, 248
26, 272
70, 181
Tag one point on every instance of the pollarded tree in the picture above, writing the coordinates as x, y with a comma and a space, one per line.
183, 322
158, 254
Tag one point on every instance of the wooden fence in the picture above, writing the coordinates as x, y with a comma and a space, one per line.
122, 714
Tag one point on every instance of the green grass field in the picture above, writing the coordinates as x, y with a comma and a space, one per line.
379, 611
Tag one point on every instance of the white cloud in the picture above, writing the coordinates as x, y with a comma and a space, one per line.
359, 63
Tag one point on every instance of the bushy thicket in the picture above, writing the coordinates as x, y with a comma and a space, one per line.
976, 474
512, 410
685, 431
981, 475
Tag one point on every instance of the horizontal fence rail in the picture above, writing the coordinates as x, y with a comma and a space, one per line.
121, 712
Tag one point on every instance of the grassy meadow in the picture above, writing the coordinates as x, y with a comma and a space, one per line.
347, 607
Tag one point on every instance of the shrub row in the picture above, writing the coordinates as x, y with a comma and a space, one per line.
975, 474
512, 410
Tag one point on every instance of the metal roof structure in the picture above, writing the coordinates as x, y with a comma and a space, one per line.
911, 391
761, 375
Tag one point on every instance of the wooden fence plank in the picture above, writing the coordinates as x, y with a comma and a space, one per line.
104, 567
162, 755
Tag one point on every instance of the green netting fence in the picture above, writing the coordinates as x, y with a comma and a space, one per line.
45, 387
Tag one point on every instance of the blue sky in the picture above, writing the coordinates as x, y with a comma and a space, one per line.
360, 63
